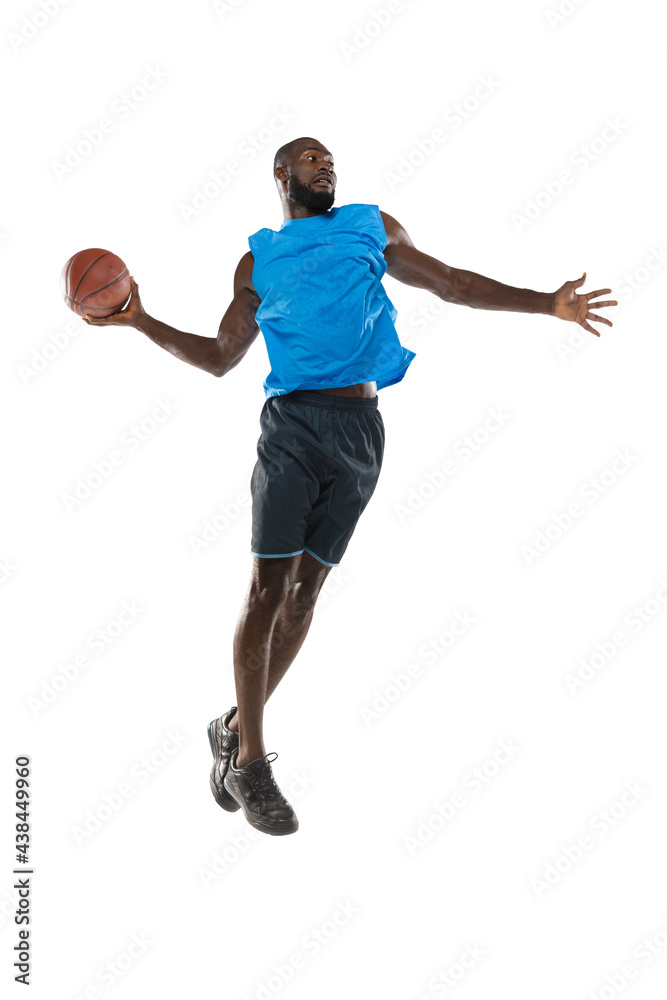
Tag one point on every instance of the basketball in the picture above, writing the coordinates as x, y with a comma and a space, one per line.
95, 283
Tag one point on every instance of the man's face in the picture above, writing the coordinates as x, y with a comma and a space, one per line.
312, 181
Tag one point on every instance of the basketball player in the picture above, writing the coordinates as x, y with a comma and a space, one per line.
314, 289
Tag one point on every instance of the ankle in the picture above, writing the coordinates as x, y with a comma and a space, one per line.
242, 759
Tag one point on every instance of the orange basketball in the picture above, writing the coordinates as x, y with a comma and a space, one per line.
95, 283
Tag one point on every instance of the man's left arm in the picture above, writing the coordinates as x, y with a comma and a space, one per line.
411, 266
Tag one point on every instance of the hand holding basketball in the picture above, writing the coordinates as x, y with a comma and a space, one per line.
128, 316
95, 282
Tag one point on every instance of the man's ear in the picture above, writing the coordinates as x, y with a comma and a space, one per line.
281, 175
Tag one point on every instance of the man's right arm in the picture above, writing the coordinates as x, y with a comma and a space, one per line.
238, 327
216, 355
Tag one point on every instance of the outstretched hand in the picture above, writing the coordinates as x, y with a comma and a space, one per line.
128, 316
576, 308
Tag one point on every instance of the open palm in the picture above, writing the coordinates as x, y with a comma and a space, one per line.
570, 305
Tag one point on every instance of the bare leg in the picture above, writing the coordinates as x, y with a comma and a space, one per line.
273, 624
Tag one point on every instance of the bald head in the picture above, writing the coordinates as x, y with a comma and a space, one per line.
290, 150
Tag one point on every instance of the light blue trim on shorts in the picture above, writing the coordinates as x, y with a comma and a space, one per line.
281, 555
319, 558
276, 555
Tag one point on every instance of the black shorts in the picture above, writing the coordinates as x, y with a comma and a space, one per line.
318, 461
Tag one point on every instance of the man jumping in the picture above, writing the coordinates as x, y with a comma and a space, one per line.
314, 289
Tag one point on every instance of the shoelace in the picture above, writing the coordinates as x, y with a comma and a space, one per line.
263, 781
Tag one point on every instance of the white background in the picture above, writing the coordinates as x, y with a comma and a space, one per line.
224, 911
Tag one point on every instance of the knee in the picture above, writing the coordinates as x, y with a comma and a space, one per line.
302, 597
269, 588
274, 587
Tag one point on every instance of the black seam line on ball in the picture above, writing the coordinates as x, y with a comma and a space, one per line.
92, 264
102, 289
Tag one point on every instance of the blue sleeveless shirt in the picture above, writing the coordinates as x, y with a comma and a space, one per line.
325, 316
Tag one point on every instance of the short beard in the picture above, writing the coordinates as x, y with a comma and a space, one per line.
303, 195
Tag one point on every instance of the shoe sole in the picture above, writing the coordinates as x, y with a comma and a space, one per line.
258, 825
228, 804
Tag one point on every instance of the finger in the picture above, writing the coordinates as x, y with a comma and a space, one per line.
599, 319
599, 305
581, 280
135, 298
590, 329
99, 320
600, 291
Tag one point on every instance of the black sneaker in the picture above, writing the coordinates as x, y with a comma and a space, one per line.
223, 741
255, 789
